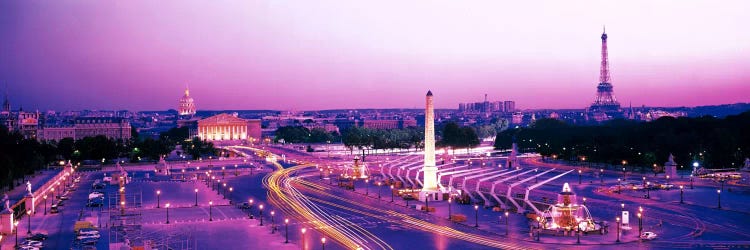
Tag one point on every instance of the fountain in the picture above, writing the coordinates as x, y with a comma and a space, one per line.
357, 171
567, 213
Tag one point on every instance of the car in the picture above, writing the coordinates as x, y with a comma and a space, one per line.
89, 241
32, 243
37, 237
53, 209
88, 236
26, 248
245, 205
648, 236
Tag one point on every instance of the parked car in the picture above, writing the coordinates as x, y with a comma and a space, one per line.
37, 237
27, 248
648, 235
88, 236
32, 243
53, 209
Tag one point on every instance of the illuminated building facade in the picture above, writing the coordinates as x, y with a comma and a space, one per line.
223, 127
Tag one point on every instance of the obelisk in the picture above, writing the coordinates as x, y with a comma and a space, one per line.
429, 169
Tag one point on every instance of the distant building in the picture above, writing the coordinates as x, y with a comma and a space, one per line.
186, 107
509, 106
111, 127
389, 123
224, 127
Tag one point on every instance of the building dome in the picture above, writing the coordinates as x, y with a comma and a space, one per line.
186, 106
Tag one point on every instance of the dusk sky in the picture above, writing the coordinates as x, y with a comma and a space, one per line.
302, 55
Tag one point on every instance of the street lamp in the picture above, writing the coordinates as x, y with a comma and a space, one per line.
224, 193
167, 207
45, 204
507, 227
210, 211
450, 200
286, 228
601, 176
303, 237
718, 191
196, 197
15, 227
579, 177
323, 240
273, 222
691, 181
28, 214
391, 193
584, 201
681, 194
476, 215
379, 188
667, 182
367, 190
158, 202
648, 190
623, 206
640, 223
260, 208
618, 229
619, 186
230, 194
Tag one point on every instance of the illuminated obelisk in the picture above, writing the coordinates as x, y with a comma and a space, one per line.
430, 170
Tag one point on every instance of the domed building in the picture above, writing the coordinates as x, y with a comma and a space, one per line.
186, 107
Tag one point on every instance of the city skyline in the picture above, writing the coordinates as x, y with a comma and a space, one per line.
304, 56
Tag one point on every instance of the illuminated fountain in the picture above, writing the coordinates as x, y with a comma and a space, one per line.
567, 213
357, 171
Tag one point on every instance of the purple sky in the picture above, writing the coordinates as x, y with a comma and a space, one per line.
298, 55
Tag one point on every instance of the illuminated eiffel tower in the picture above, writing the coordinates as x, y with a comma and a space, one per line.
605, 101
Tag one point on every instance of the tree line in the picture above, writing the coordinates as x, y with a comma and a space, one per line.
20, 156
709, 141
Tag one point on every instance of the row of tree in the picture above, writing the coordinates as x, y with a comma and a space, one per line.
712, 142
20, 156
300, 134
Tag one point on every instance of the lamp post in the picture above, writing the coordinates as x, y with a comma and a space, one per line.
507, 227
250, 209
584, 201
224, 193
450, 200
691, 181
622, 205
578, 234
158, 202
28, 214
367, 187
286, 228
391, 193
303, 237
210, 211
45, 204
260, 208
681, 194
619, 186
273, 221
379, 188
538, 227
53, 195
196, 197
601, 176
476, 215
323, 240
579, 177
618, 230
718, 191
667, 182
640, 223
231, 189
426, 203
15, 230
167, 207
648, 190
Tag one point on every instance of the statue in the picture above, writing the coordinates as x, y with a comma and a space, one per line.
28, 187
7, 201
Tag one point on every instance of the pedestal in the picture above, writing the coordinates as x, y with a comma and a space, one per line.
6, 222
431, 195
29, 202
671, 171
